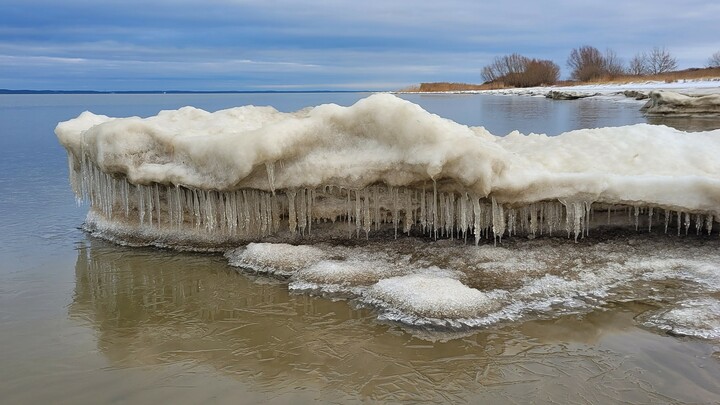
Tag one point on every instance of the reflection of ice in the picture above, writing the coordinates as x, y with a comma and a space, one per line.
688, 123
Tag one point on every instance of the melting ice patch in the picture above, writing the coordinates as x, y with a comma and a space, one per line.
280, 259
446, 284
432, 299
693, 317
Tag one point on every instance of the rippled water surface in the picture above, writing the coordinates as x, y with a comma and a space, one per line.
617, 318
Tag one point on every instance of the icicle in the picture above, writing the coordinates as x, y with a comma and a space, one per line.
498, 221
533, 220
358, 214
408, 208
275, 207
395, 209
636, 210
376, 208
156, 198
196, 208
292, 218
270, 168
708, 223
140, 194
348, 218
463, 215
650, 218
477, 210
310, 199
302, 211
435, 210
423, 212
367, 220
450, 214
180, 209
687, 223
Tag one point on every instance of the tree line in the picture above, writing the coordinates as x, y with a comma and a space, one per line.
586, 63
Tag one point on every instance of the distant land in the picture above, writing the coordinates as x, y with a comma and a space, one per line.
668, 77
7, 91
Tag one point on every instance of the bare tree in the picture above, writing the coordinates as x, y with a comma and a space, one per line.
714, 60
489, 74
503, 67
585, 63
613, 64
660, 61
638, 65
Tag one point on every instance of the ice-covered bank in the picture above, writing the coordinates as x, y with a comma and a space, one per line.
618, 91
383, 165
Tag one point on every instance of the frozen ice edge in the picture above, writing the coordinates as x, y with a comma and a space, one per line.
250, 173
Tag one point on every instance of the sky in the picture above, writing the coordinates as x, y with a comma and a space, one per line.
324, 45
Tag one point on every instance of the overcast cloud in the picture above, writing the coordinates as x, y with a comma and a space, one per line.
333, 44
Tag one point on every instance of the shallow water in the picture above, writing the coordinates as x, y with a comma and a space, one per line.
86, 321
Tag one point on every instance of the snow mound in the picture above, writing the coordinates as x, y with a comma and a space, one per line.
247, 173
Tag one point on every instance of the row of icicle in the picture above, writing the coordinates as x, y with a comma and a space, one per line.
253, 214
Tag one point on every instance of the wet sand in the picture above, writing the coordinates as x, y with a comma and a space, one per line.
188, 328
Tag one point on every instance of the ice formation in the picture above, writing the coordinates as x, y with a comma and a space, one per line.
382, 166
675, 104
444, 284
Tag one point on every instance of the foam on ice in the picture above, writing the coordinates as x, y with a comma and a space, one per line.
249, 173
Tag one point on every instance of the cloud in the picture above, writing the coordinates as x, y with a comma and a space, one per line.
332, 42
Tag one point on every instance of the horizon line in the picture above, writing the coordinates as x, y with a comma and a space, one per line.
26, 91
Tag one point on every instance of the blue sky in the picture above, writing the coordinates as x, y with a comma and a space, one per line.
332, 44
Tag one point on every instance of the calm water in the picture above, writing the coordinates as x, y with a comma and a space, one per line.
85, 321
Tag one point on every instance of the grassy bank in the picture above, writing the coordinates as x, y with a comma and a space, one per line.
668, 77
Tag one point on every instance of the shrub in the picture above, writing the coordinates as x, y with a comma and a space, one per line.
588, 63
520, 71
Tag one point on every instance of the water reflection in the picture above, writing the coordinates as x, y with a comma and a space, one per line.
156, 309
688, 124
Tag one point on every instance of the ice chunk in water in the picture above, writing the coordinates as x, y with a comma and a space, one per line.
275, 258
432, 296
693, 317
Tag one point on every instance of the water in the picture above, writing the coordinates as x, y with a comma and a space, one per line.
86, 321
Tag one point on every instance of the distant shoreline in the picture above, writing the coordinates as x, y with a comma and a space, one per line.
693, 74
8, 91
